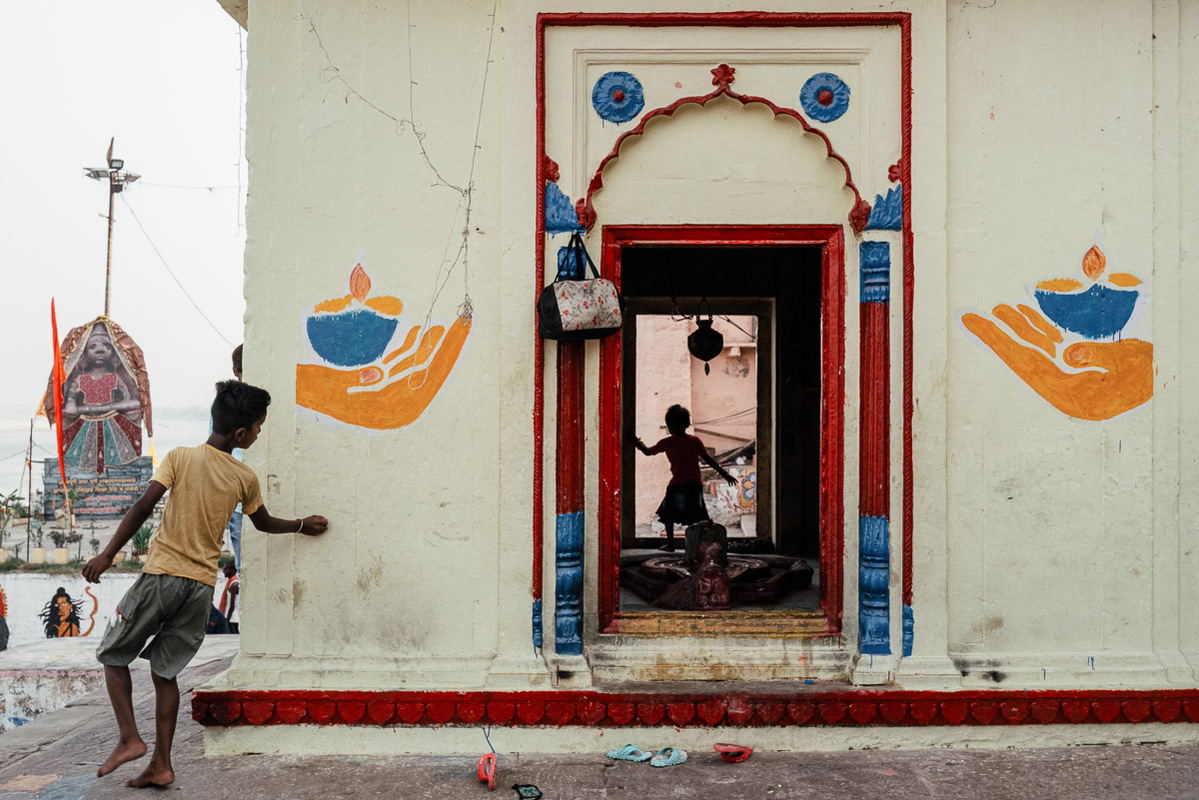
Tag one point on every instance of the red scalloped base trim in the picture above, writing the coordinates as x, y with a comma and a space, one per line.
600, 709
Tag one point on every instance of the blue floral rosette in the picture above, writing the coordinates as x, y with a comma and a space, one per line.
824, 97
617, 97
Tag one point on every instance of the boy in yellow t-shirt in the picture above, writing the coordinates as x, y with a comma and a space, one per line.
171, 599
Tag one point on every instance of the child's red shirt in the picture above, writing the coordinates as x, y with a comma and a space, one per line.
684, 453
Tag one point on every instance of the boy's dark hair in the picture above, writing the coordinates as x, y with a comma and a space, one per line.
238, 405
237, 360
678, 419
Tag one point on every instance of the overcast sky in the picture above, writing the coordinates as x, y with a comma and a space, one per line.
163, 78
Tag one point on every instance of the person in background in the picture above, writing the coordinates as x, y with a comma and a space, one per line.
230, 606
235, 519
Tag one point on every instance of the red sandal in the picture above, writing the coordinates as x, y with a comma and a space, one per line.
733, 753
487, 770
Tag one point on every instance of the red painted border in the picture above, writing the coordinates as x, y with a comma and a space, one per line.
569, 440
831, 240
816, 708
538, 345
733, 19
874, 439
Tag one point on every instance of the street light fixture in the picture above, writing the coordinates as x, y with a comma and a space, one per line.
117, 179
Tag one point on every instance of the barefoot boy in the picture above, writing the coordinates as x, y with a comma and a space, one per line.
171, 599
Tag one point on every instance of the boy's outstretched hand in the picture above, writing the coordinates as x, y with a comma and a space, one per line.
96, 567
314, 525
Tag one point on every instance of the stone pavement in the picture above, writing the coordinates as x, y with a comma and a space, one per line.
55, 758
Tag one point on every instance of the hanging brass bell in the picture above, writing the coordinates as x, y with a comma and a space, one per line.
705, 343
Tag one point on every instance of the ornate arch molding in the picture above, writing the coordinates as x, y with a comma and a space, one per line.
722, 79
875, 513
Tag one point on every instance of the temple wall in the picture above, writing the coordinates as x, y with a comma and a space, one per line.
1064, 542
1055, 529
407, 574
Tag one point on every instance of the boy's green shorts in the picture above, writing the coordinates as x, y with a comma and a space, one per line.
173, 610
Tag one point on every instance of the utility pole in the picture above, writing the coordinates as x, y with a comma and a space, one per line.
118, 178
29, 497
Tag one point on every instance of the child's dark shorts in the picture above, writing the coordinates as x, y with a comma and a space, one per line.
683, 504
173, 610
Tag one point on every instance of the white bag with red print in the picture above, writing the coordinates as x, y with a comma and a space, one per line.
569, 310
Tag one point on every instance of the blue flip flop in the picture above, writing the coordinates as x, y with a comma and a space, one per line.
630, 752
668, 757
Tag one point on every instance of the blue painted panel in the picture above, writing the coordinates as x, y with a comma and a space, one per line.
909, 630
571, 264
537, 622
887, 214
560, 214
568, 592
875, 261
874, 579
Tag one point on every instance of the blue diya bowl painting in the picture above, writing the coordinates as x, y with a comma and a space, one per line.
350, 338
346, 333
1099, 311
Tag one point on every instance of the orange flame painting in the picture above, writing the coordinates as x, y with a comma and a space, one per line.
360, 283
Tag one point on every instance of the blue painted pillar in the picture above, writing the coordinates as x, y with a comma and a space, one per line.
568, 561
874, 568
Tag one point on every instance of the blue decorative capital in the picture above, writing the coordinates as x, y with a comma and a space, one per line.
874, 259
560, 214
887, 214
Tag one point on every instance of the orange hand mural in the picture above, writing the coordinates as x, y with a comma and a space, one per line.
1122, 378
1094, 379
364, 387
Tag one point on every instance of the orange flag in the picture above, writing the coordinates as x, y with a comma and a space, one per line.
60, 377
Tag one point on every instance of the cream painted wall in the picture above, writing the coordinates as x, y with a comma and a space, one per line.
406, 578
1049, 550
1059, 527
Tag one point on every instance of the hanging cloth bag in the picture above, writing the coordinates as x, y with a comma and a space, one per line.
570, 309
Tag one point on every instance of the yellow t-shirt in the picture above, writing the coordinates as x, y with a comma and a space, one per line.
206, 485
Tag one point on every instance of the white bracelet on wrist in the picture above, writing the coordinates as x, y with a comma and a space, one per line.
301, 528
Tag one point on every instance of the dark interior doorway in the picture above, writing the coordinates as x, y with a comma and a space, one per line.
781, 288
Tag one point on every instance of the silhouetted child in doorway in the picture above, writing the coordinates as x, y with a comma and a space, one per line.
684, 501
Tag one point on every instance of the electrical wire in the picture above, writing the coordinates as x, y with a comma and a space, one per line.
183, 186
729, 320
171, 272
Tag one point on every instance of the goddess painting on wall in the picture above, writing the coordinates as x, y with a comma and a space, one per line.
106, 397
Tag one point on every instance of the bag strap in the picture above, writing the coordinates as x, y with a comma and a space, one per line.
576, 245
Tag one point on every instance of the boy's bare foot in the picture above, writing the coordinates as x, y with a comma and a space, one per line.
120, 754
153, 775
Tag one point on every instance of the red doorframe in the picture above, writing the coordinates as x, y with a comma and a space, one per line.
739, 19
831, 241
